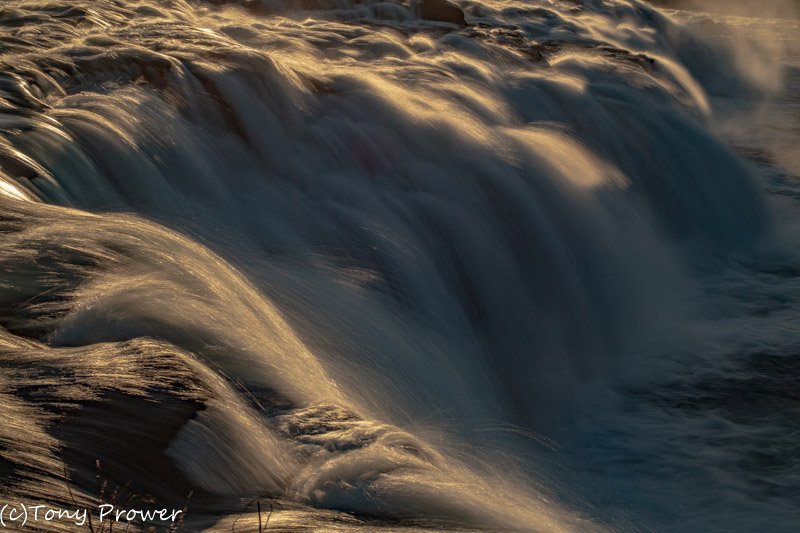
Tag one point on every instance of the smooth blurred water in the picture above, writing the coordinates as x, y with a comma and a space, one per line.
534, 273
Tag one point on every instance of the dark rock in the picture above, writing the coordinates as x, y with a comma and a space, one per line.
442, 11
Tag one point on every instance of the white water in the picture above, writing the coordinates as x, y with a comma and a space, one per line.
505, 276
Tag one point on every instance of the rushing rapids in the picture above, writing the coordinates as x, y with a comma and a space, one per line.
385, 265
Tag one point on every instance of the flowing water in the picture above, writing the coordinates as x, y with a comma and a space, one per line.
535, 272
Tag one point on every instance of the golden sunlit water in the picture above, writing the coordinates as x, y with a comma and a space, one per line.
339, 265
